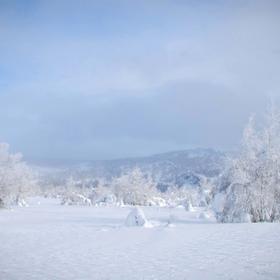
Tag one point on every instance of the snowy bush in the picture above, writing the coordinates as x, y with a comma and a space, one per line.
135, 188
185, 197
16, 178
156, 201
75, 193
251, 185
75, 199
107, 199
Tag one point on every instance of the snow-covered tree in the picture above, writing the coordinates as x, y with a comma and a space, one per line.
16, 178
134, 188
76, 192
103, 194
251, 184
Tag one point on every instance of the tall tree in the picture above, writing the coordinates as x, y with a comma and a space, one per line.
251, 184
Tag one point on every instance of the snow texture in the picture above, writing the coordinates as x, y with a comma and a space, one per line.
49, 241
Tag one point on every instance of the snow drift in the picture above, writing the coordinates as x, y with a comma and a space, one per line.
136, 218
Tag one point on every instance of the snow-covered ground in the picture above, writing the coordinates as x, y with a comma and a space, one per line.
50, 241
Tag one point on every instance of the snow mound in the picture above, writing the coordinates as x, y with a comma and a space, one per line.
136, 218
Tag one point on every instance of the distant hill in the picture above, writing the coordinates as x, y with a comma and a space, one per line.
176, 167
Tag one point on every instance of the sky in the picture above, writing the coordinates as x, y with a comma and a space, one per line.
90, 80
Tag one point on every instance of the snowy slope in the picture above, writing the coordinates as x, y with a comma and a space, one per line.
49, 241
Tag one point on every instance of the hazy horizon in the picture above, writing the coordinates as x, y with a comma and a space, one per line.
92, 80
52, 160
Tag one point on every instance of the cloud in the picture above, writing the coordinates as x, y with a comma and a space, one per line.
95, 76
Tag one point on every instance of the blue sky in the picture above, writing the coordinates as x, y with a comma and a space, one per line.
108, 79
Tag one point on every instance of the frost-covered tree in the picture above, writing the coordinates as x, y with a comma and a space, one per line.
76, 192
16, 178
104, 195
251, 184
135, 188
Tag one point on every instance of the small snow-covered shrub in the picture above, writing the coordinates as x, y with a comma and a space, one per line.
75, 193
136, 218
156, 201
21, 202
75, 199
106, 199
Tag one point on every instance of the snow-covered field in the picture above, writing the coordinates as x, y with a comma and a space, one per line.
50, 241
